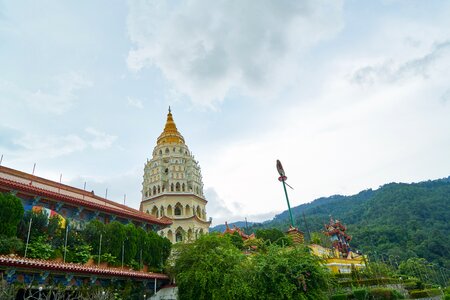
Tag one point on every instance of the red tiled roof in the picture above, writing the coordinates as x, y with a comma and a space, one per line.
112, 208
29, 263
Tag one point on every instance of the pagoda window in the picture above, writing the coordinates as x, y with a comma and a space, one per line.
155, 211
171, 187
170, 235
159, 189
178, 210
178, 237
183, 187
160, 152
161, 210
177, 187
188, 210
169, 210
154, 190
199, 213
167, 171
167, 151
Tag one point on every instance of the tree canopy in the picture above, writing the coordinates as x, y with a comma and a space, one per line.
11, 214
213, 268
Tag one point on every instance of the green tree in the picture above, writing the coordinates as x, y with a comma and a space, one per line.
201, 267
213, 268
11, 214
273, 236
289, 273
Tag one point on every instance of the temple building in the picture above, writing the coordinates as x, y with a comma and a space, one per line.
172, 188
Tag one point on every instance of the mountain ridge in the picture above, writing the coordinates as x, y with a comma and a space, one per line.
397, 219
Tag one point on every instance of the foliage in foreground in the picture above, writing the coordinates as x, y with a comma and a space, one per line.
213, 268
11, 213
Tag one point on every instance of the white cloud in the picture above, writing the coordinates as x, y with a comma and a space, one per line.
56, 98
135, 102
50, 146
207, 48
100, 139
35, 147
352, 137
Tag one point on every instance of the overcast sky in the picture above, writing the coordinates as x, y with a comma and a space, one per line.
349, 95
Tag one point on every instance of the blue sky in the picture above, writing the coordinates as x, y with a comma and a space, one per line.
347, 94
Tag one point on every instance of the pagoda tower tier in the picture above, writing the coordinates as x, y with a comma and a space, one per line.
172, 187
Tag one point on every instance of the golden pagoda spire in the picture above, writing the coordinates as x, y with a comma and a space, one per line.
170, 134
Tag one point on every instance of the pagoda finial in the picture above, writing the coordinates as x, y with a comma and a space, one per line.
170, 134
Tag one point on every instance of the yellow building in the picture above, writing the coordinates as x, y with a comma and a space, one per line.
172, 187
335, 262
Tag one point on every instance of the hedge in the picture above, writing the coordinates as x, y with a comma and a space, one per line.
416, 294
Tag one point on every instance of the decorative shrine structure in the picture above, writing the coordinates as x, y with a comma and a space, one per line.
172, 188
339, 258
78, 206
340, 240
237, 230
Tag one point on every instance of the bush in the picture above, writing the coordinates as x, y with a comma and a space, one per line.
39, 248
10, 245
360, 294
411, 285
79, 254
425, 293
447, 297
11, 214
384, 294
339, 297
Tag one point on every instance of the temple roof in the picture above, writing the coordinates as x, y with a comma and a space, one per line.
23, 182
40, 264
170, 134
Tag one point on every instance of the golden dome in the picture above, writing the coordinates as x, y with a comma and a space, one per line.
170, 134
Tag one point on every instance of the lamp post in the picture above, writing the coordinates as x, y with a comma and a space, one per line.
283, 179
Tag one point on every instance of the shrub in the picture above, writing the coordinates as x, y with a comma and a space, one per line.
425, 293
447, 297
79, 254
384, 294
10, 245
39, 248
339, 297
10, 215
360, 294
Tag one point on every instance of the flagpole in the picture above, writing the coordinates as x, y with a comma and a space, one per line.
65, 242
59, 186
1, 159
28, 235
100, 249
32, 173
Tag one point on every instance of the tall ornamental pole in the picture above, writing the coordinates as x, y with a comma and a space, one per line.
283, 178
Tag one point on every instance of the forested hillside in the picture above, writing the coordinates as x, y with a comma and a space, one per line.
394, 221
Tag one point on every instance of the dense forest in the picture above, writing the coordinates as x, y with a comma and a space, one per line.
396, 221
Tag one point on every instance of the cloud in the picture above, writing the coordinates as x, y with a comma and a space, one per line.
135, 102
30, 146
391, 71
100, 140
216, 206
208, 48
220, 213
56, 98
